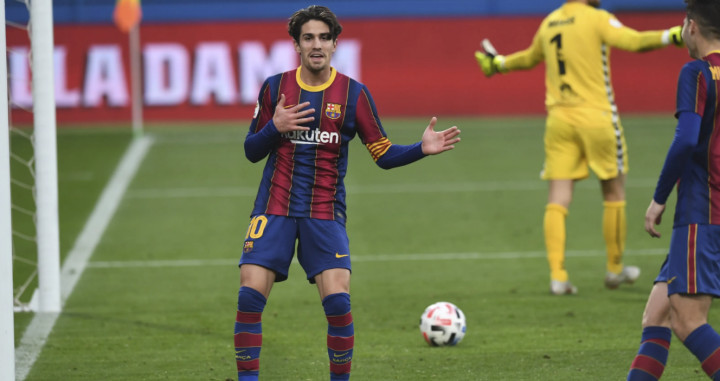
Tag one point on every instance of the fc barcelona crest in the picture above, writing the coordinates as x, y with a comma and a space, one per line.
333, 110
248, 246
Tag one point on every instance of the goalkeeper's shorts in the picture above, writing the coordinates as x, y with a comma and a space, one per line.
321, 244
580, 139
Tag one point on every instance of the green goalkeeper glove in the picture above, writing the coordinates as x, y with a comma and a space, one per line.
489, 61
675, 35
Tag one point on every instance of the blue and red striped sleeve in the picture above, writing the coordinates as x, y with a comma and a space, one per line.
263, 135
385, 154
691, 97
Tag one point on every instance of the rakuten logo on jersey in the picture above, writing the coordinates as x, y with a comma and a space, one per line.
312, 137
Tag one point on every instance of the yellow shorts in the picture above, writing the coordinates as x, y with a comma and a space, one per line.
576, 139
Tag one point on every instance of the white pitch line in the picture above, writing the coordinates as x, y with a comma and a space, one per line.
39, 329
478, 186
370, 258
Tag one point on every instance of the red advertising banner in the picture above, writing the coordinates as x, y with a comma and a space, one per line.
413, 67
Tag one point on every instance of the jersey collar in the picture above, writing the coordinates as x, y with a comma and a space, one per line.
322, 87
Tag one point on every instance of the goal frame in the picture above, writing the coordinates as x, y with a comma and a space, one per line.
7, 323
46, 184
46, 181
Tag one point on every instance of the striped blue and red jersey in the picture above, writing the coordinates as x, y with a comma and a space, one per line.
304, 172
693, 160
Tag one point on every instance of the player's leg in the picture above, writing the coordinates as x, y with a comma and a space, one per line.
649, 363
564, 164
334, 288
323, 252
614, 221
689, 322
604, 143
333, 281
554, 229
255, 285
614, 232
695, 280
267, 252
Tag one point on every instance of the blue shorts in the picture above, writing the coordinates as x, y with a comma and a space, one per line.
693, 264
321, 245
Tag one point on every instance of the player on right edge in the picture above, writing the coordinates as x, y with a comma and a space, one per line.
583, 128
690, 277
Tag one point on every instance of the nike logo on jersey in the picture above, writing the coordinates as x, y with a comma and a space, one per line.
671, 280
341, 255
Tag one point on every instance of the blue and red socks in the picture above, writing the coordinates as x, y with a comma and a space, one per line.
340, 335
650, 361
704, 343
248, 333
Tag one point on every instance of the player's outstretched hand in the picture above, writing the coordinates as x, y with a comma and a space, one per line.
292, 118
485, 62
434, 142
675, 35
488, 59
653, 217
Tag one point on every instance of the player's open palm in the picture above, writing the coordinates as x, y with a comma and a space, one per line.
435, 142
292, 118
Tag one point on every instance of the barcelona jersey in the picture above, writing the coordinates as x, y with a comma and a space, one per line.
304, 172
699, 184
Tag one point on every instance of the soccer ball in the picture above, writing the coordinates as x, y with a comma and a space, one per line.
442, 324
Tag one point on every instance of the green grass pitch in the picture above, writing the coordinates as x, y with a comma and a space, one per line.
158, 299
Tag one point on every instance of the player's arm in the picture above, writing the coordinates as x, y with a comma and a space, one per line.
491, 62
690, 106
262, 135
524, 59
686, 137
619, 36
388, 155
267, 125
385, 154
680, 152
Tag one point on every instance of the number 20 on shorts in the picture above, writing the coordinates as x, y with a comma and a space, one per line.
257, 227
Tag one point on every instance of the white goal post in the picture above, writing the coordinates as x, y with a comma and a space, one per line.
7, 335
46, 185
43, 92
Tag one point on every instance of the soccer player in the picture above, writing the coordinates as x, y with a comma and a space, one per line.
690, 277
582, 127
303, 123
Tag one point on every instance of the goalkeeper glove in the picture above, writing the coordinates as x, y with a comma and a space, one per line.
489, 61
675, 35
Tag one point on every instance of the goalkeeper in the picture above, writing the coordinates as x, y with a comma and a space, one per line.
583, 130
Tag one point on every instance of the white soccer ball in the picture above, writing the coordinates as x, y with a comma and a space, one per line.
442, 324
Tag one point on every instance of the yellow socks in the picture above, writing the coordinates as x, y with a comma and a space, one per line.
554, 228
614, 231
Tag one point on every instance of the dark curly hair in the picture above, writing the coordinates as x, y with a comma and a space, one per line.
313, 12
